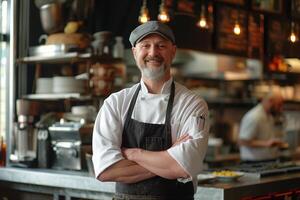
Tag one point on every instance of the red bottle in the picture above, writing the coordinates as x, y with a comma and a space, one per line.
2, 152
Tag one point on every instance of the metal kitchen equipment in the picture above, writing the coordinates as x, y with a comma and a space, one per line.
23, 153
24, 138
70, 142
52, 17
263, 169
52, 49
44, 151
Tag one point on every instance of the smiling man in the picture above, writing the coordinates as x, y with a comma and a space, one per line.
151, 139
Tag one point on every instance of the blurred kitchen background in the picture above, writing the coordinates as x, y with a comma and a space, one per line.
61, 58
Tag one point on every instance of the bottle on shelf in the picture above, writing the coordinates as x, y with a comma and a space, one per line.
118, 48
2, 152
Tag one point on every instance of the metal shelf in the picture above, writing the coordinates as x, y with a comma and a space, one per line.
57, 96
71, 57
59, 58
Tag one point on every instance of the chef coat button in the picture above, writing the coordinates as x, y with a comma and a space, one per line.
142, 98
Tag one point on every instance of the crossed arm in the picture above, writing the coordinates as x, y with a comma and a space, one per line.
141, 164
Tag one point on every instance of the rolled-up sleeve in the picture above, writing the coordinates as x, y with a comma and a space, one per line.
107, 135
190, 154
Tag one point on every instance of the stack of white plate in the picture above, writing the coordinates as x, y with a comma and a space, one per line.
68, 84
44, 85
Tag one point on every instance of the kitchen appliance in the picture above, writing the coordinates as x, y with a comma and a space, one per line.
23, 153
24, 137
44, 151
70, 141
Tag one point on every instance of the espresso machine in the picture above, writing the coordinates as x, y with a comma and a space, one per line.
70, 141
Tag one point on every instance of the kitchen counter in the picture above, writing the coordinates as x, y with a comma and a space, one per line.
248, 186
55, 182
71, 184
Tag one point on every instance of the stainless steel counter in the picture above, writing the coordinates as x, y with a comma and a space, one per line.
59, 183
81, 185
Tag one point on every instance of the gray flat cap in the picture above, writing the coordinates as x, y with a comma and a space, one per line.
148, 28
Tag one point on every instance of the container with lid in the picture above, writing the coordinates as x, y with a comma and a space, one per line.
118, 48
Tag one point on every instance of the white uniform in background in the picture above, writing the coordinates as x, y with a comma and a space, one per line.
189, 115
257, 124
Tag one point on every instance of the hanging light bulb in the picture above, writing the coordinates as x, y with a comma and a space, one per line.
293, 37
202, 23
163, 15
144, 13
237, 28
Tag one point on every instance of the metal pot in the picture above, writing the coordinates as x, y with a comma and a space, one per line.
51, 17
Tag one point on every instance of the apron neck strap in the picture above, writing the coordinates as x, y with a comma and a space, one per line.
170, 104
169, 107
131, 106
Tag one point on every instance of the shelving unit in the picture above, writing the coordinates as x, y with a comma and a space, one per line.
57, 96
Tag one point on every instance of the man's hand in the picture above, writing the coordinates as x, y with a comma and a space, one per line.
276, 143
183, 138
129, 153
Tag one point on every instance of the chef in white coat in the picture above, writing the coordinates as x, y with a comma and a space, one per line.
151, 139
257, 139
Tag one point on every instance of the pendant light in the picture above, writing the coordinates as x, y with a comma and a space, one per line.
293, 38
144, 13
163, 15
237, 27
202, 23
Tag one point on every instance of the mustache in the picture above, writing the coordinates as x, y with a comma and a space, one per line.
154, 58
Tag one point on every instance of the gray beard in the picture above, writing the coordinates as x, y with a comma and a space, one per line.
153, 74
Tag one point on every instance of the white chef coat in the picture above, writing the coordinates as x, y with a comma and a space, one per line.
257, 124
189, 115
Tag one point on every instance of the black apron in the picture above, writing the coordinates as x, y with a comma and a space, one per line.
152, 137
